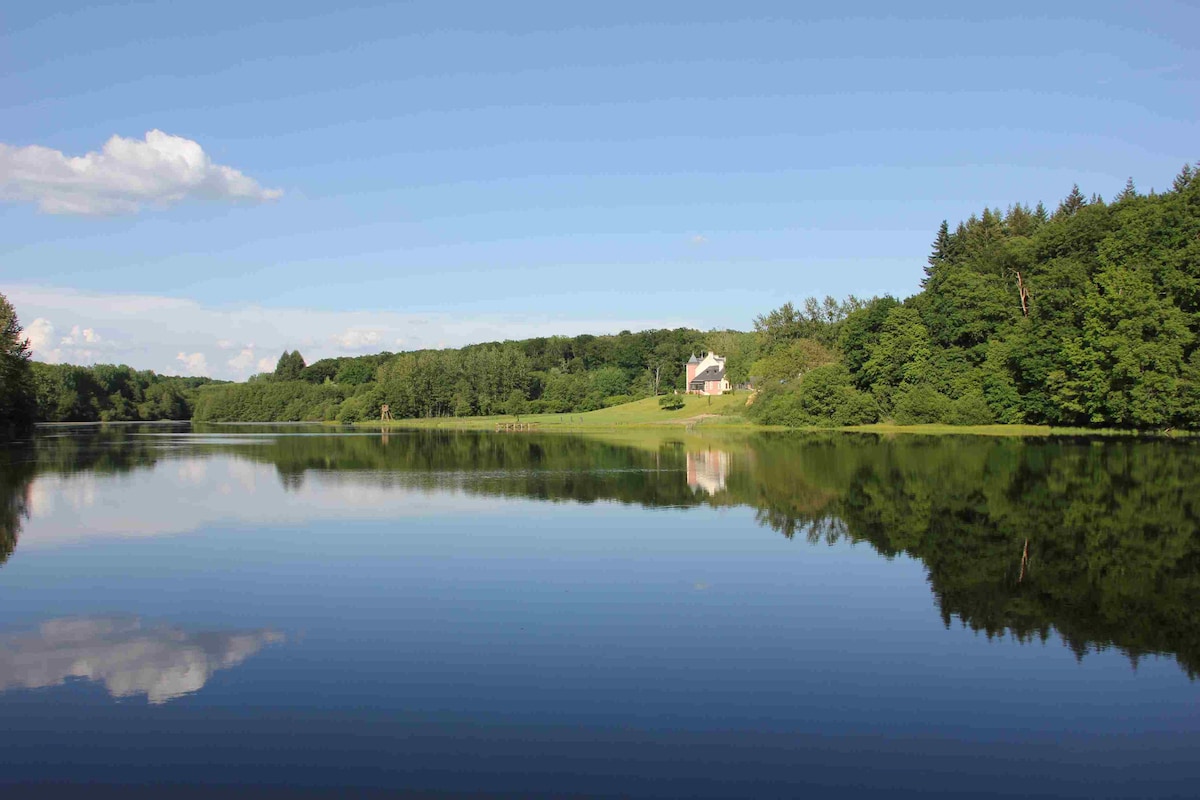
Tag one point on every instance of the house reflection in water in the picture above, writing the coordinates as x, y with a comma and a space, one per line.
706, 470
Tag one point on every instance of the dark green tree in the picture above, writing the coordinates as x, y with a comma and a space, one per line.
1071, 203
289, 366
941, 251
17, 398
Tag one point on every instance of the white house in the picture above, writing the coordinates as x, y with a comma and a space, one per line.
707, 375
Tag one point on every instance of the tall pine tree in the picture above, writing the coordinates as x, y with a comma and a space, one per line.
941, 251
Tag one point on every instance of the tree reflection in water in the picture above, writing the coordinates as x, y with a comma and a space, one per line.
1097, 539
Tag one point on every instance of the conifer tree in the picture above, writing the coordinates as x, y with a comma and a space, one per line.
1071, 203
1184, 178
289, 366
941, 251
1128, 193
1019, 221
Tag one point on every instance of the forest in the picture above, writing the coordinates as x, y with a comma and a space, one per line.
1087, 316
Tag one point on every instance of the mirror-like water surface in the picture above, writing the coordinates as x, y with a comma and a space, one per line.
294, 608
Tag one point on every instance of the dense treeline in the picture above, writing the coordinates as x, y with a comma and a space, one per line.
547, 374
110, 393
32, 391
1089, 316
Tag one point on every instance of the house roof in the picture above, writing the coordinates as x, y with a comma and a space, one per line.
693, 359
710, 374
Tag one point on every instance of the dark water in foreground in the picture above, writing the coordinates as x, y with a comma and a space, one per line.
287, 609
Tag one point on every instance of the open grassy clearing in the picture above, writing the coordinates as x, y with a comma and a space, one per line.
708, 411
724, 413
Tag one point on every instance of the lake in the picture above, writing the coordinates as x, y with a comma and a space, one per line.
291, 609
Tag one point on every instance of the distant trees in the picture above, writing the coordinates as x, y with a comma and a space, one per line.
110, 393
1089, 316
269, 401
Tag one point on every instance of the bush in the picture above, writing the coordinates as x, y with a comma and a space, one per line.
824, 397
921, 405
971, 409
362, 407
670, 402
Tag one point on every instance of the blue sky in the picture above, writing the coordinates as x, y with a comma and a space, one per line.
447, 172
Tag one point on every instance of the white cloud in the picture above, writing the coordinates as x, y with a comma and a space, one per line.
699, 238
243, 360
79, 336
357, 339
193, 363
151, 332
40, 333
123, 176
226, 344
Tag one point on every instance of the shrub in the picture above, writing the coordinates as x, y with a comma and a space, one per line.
824, 397
670, 402
971, 409
920, 405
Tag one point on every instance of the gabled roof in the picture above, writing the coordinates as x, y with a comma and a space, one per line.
710, 374
693, 359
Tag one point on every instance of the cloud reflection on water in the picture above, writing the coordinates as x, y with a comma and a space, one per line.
130, 657
66, 509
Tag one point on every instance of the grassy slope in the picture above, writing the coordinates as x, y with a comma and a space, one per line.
726, 415
638, 413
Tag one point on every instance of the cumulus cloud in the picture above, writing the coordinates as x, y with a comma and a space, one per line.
40, 333
82, 345
122, 177
193, 363
80, 336
243, 360
173, 335
357, 339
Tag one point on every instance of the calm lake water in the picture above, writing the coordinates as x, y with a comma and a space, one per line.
293, 608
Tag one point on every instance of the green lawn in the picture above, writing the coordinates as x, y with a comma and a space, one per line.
712, 413
638, 413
